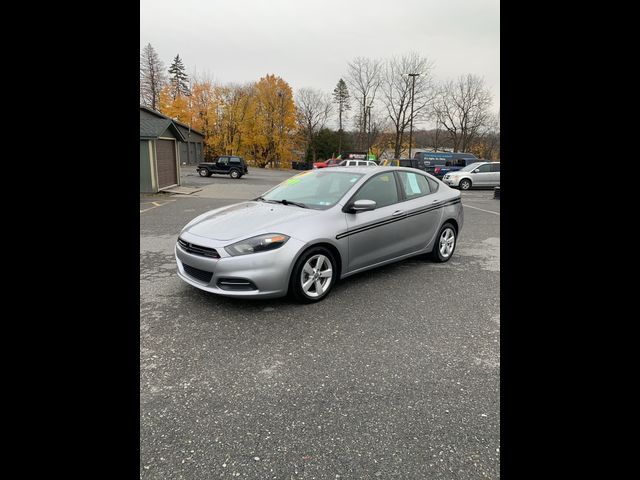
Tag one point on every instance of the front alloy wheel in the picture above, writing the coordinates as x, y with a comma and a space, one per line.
316, 276
313, 275
465, 184
203, 172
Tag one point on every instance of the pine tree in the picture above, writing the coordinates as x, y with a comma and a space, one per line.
341, 97
179, 79
152, 77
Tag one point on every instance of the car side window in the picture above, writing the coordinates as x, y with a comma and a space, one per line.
235, 161
223, 160
484, 168
414, 185
433, 185
495, 167
360, 164
381, 189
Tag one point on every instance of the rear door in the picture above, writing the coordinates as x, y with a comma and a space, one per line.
419, 205
495, 174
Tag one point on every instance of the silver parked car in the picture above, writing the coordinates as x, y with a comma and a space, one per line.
478, 174
317, 227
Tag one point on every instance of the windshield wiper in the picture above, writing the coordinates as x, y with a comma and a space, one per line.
289, 202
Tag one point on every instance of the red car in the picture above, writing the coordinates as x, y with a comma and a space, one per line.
331, 162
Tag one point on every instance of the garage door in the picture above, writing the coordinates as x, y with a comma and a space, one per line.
167, 174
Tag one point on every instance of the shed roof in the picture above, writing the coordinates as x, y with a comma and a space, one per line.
153, 124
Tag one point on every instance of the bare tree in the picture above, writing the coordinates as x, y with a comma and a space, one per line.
487, 144
377, 127
152, 77
396, 93
364, 77
313, 110
463, 110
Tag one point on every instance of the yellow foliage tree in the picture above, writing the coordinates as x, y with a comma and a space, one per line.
177, 108
271, 127
205, 109
256, 121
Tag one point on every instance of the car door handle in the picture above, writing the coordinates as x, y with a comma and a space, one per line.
397, 212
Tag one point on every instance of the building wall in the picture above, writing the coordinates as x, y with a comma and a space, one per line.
191, 153
146, 181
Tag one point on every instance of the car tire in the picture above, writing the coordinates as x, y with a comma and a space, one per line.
203, 172
235, 174
445, 243
465, 184
305, 268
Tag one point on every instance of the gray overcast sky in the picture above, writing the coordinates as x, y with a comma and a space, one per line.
308, 43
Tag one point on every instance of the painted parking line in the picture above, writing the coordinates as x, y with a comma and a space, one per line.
155, 205
481, 209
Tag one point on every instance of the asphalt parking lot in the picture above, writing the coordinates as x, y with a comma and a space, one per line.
395, 375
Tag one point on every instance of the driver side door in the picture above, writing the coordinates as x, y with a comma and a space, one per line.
222, 166
481, 176
373, 235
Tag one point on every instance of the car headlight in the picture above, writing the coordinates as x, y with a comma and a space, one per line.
261, 243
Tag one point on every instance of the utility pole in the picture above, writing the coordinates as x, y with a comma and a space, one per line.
367, 132
413, 84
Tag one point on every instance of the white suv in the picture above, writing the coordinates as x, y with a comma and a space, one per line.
357, 163
478, 174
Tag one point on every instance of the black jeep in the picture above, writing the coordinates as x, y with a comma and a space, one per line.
235, 167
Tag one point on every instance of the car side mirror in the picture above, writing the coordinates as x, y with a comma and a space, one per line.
475, 171
363, 206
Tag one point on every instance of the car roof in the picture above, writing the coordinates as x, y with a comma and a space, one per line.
370, 171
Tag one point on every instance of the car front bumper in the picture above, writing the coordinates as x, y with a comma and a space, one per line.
267, 271
452, 182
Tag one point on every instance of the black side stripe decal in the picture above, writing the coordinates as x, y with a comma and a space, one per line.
398, 218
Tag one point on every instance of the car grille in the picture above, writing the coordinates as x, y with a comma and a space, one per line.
201, 275
198, 250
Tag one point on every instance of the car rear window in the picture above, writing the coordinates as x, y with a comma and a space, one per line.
414, 185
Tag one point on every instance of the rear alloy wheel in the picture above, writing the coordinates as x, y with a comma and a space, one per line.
313, 275
465, 184
235, 174
445, 244
203, 172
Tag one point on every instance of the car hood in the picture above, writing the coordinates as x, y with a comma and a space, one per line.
247, 219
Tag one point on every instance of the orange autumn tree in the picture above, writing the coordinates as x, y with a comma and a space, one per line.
271, 126
256, 120
177, 108
205, 108
236, 107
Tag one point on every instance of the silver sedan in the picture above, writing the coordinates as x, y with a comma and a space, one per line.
303, 235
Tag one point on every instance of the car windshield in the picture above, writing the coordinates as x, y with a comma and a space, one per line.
319, 189
471, 166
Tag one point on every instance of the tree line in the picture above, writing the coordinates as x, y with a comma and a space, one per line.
373, 107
